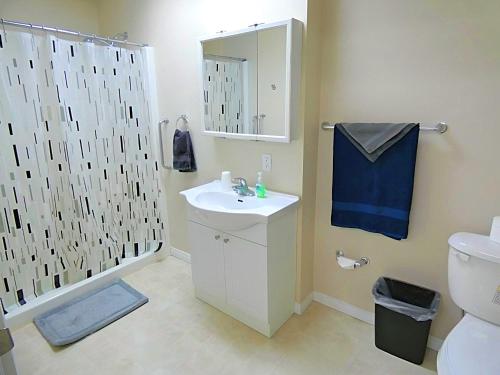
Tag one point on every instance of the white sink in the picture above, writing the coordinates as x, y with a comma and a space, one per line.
228, 211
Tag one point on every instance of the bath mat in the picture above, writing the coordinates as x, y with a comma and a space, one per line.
88, 313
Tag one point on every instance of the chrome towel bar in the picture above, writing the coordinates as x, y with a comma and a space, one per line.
440, 128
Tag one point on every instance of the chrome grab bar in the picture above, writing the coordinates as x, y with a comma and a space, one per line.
160, 135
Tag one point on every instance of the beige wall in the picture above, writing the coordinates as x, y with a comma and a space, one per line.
429, 61
80, 15
174, 27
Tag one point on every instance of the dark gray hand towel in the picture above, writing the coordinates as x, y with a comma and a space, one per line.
373, 139
183, 152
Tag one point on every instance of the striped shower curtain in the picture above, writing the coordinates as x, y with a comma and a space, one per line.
79, 180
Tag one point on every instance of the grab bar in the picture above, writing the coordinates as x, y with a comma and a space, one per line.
162, 153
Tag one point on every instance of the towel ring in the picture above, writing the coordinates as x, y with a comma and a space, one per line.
183, 118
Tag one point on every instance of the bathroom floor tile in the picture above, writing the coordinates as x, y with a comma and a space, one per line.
175, 333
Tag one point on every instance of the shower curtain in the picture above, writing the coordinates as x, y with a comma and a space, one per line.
79, 180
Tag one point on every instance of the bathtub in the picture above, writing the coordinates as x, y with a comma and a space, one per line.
24, 314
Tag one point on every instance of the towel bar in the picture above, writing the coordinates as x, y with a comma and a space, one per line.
440, 128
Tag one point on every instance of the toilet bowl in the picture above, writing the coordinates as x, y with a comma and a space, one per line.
473, 346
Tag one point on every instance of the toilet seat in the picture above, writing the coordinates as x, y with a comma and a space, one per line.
472, 347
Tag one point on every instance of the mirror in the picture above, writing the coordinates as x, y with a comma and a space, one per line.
230, 84
271, 81
247, 82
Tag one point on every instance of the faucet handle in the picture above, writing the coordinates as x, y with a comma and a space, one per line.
240, 181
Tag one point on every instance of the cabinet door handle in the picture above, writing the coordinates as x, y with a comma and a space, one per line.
226, 240
217, 236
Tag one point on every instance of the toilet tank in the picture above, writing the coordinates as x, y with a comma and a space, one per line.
474, 275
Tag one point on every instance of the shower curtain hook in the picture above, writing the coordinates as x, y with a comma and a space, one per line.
4, 32
57, 37
44, 31
32, 37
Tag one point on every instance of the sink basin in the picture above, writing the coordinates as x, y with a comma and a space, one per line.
210, 204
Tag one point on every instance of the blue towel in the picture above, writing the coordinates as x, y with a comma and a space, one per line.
375, 197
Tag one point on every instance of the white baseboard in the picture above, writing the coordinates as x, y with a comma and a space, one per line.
346, 308
180, 254
301, 307
434, 343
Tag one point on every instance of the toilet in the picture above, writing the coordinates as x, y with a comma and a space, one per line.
473, 346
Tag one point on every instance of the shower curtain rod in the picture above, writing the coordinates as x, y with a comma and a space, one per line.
65, 31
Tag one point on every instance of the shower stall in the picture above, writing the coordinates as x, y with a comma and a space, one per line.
80, 182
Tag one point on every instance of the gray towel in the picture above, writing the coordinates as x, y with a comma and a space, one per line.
184, 160
373, 139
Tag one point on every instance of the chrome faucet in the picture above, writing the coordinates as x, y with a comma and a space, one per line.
241, 188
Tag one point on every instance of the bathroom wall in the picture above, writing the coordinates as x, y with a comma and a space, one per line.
428, 61
80, 15
174, 27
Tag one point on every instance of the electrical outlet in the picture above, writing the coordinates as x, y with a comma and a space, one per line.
267, 162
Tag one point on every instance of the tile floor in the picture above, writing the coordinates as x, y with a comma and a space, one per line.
177, 334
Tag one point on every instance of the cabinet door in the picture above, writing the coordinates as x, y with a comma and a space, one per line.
230, 83
207, 259
246, 276
272, 83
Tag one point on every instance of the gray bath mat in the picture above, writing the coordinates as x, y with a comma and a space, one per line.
89, 313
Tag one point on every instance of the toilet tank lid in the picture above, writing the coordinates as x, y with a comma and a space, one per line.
476, 245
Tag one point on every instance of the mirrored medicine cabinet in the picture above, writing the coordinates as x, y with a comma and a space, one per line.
251, 82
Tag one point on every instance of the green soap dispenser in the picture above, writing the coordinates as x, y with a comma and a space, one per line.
260, 188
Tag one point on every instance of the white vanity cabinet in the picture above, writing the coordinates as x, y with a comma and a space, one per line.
249, 273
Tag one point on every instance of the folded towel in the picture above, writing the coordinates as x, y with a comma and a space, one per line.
183, 152
372, 140
374, 196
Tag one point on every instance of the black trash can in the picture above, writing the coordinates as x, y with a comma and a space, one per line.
403, 317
